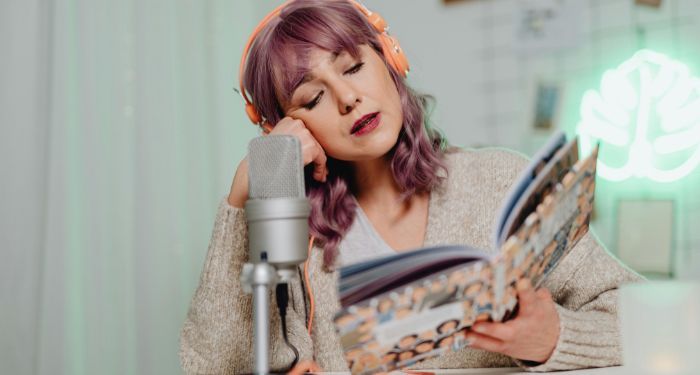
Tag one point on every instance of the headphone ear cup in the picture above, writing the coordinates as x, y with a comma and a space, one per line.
394, 54
267, 128
255, 117
252, 113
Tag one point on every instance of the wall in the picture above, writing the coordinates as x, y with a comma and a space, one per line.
468, 55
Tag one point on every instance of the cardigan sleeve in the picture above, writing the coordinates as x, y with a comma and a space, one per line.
586, 300
217, 334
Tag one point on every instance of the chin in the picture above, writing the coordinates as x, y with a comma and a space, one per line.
378, 146
378, 152
366, 154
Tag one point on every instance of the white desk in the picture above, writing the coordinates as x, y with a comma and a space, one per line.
511, 370
515, 370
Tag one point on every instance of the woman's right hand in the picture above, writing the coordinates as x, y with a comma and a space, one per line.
311, 152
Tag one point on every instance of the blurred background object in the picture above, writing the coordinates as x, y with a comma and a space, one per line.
121, 132
651, 3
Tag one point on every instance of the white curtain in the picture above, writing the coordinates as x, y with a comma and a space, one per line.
120, 134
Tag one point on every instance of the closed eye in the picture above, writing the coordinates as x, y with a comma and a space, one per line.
310, 105
356, 68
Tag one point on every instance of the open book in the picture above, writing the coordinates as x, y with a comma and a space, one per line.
400, 310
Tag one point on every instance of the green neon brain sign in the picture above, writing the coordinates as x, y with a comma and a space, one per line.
646, 115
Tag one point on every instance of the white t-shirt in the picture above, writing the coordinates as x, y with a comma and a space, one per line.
362, 242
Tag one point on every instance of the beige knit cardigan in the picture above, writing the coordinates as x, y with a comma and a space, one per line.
217, 334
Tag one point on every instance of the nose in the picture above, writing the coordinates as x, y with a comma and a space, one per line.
348, 97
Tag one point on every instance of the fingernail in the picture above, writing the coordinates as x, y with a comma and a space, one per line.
479, 329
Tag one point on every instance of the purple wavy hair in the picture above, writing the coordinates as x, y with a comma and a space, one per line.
278, 60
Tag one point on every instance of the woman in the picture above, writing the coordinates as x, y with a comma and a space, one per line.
380, 181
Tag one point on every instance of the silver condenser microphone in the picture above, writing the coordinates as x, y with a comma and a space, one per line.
277, 209
277, 213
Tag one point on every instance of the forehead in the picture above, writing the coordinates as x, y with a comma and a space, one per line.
317, 57
313, 60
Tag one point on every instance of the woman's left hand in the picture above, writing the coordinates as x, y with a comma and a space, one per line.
531, 336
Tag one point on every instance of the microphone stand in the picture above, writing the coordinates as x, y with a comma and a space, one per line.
259, 278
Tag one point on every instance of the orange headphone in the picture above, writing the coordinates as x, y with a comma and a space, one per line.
390, 47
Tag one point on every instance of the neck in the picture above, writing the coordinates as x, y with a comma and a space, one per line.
374, 183
379, 196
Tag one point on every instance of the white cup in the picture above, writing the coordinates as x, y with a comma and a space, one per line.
660, 326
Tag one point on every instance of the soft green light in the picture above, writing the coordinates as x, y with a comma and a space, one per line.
646, 114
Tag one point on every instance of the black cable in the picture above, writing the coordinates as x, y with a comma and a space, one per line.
282, 296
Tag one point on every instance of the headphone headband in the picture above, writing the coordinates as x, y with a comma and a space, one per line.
390, 47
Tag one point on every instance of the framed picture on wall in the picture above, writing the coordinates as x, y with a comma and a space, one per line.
546, 26
547, 102
448, 2
651, 3
645, 236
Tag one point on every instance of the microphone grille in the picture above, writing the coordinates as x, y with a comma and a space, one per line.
275, 168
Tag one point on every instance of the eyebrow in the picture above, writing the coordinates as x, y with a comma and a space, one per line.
308, 76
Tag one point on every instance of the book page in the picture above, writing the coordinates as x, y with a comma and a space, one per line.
417, 321
548, 175
526, 178
550, 232
368, 279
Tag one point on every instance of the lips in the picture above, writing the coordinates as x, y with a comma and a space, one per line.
363, 124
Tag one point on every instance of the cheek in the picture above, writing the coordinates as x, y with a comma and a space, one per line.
322, 130
396, 105
392, 94
313, 120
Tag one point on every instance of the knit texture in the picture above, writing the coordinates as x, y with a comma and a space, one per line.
217, 334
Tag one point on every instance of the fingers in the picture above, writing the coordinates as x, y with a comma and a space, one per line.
479, 341
320, 169
533, 333
314, 153
305, 367
500, 331
543, 294
311, 150
526, 297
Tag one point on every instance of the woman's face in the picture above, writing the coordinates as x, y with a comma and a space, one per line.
351, 106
